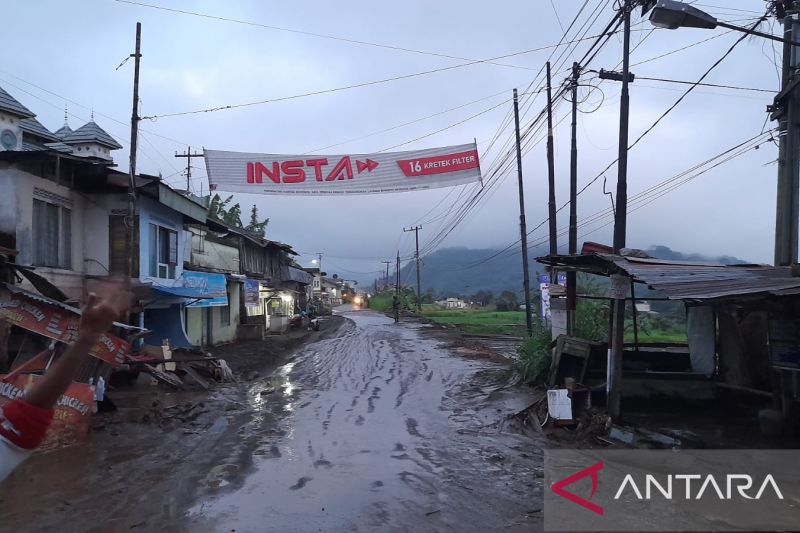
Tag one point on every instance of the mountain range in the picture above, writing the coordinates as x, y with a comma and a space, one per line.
464, 271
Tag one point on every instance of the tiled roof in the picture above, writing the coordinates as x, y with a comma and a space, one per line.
91, 132
63, 131
34, 127
10, 104
59, 147
32, 147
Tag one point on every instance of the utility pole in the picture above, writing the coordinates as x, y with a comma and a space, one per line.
396, 301
614, 370
551, 179
131, 222
787, 110
188, 155
416, 229
523, 229
386, 282
572, 276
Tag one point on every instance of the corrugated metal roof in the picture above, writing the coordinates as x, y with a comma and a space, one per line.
300, 276
34, 127
91, 132
10, 104
682, 280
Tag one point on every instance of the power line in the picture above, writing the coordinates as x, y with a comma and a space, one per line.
476, 115
88, 108
346, 87
415, 121
313, 34
772, 91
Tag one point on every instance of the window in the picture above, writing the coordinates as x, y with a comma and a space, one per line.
52, 235
225, 313
163, 252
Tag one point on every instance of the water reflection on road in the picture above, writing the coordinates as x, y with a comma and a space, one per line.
379, 429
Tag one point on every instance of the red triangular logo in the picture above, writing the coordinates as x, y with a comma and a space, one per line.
558, 487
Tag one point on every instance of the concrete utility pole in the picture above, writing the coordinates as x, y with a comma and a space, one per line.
572, 277
523, 229
131, 219
416, 229
614, 370
396, 302
787, 109
188, 155
386, 282
551, 180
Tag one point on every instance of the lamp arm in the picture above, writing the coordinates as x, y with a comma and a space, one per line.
756, 32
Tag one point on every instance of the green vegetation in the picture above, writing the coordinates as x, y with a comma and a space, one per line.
535, 356
478, 321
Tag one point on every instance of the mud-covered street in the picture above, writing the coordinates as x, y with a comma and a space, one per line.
375, 427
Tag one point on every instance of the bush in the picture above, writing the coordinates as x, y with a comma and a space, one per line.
535, 356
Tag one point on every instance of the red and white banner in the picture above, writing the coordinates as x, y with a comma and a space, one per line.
72, 415
343, 174
59, 324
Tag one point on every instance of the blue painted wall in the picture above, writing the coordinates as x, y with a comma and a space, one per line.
153, 212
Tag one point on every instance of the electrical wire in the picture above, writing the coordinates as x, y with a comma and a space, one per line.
683, 82
344, 88
415, 121
313, 34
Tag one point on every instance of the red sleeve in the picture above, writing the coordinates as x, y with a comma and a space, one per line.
24, 425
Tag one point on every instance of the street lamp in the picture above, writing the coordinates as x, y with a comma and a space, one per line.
671, 15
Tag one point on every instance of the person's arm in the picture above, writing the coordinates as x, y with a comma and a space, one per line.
59, 377
97, 317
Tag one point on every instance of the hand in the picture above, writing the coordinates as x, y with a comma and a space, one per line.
108, 303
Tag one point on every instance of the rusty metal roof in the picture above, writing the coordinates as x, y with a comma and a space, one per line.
683, 280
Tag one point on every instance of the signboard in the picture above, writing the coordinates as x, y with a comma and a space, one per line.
73, 409
544, 288
205, 284
342, 174
59, 324
251, 290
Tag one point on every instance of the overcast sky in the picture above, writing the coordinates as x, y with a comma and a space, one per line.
57, 51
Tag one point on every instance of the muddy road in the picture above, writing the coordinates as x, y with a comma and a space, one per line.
377, 427
384, 431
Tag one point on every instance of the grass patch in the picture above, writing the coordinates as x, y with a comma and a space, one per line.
535, 356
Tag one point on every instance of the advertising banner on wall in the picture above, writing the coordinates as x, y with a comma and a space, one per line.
210, 287
60, 324
73, 409
251, 290
544, 288
344, 173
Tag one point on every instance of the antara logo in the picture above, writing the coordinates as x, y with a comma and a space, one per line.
593, 471
672, 487
294, 171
